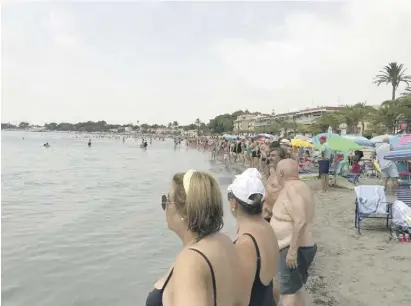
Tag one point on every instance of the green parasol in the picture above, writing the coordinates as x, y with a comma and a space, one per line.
338, 143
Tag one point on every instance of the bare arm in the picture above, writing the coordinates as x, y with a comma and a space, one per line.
248, 262
297, 211
190, 277
272, 190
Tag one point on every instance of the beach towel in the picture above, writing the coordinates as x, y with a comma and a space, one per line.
371, 199
401, 214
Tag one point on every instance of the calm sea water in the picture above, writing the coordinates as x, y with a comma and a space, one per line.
83, 226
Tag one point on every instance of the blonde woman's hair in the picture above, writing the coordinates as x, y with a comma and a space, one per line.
202, 206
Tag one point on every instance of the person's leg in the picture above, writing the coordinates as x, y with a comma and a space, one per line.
276, 291
394, 177
290, 283
384, 176
326, 182
296, 299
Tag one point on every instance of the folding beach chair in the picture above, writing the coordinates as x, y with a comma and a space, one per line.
371, 202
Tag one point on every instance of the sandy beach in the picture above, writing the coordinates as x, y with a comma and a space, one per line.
355, 270
349, 269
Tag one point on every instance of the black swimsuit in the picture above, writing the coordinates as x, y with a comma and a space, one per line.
155, 297
261, 295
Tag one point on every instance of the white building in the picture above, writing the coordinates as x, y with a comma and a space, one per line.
242, 123
307, 116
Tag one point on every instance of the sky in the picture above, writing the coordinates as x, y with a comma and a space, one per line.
158, 62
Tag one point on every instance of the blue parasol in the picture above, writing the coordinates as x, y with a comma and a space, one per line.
399, 155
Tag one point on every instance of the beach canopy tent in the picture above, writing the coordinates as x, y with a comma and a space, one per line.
380, 138
402, 155
361, 141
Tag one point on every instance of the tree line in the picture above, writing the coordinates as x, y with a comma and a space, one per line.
371, 120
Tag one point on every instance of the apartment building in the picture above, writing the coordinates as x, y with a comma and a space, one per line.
307, 116
243, 123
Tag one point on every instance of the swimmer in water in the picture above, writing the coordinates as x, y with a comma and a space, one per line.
46, 145
89, 143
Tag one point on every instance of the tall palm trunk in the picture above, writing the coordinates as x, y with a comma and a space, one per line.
393, 92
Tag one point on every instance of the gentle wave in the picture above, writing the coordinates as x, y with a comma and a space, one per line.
84, 226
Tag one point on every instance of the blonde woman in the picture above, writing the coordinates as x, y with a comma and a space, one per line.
256, 243
205, 272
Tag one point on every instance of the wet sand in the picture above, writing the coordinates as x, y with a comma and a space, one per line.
353, 270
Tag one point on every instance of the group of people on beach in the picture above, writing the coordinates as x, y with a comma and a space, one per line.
265, 264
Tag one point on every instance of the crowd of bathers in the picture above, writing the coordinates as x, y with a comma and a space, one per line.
265, 264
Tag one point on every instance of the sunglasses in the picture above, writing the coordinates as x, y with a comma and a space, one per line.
164, 200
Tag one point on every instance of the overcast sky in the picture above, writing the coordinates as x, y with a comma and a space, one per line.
159, 62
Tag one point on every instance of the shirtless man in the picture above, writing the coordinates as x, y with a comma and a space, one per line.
292, 222
273, 187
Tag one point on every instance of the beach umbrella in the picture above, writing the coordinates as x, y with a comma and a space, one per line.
341, 144
302, 137
380, 138
300, 143
266, 136
402, 148
404, 139
316, 138
360, 140
403, 155
229, 137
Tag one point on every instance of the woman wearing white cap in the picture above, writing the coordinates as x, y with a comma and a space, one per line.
256, 243
205, 272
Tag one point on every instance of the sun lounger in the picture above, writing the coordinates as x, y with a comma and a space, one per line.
371, 202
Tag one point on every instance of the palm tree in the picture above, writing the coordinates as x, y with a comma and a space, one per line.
322, 123
350, 116
393, 74
389, 111
407, 91
362, 112
198, 124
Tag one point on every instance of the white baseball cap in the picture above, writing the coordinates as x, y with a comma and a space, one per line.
251, 172
245, 186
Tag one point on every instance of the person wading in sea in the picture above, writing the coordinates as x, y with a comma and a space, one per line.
206, 271
292, 222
